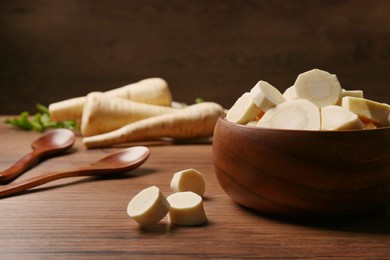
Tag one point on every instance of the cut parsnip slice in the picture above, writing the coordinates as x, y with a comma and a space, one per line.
292, 114
252, 123
290, 93
367, 110
319, 87
352, 93
339, 118
244, 110
186, 209
369, 125
148, 207
188, 180
349, 93
195, 121
265, 96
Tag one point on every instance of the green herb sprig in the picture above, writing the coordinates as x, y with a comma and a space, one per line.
38, 122
199, 100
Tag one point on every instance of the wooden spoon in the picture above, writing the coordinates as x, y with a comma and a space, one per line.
50, 143
122, 161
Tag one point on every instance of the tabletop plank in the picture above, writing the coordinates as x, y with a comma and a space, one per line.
85, 217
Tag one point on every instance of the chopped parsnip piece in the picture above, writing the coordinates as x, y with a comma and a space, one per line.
338, 118
186, 209
244, 110
367, 110
188, 180
148, 207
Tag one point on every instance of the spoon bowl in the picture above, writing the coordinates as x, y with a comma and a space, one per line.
119, 162
54, 141
50, 143
122, 161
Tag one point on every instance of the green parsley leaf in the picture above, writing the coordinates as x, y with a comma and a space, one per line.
39, 122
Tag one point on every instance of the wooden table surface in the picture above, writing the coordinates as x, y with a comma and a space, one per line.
86, 217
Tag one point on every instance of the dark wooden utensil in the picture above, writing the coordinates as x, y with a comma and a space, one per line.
122, 161
53, 142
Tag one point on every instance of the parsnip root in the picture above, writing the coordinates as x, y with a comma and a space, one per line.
67, 109
104, 114
194, 121
151, 91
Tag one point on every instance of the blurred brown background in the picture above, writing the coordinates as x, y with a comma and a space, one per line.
214, 49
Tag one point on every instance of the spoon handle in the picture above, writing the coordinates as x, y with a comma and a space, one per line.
32, 182
25, 163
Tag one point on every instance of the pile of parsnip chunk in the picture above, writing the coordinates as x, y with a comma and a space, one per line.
184, 207
316, 101
136, 112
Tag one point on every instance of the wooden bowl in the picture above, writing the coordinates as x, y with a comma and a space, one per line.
300, 172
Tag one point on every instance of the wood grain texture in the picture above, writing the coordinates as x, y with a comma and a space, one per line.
53, 50
85, 218
293, 172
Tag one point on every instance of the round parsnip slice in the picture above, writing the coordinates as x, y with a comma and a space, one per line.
186, 209
290, 93
266, 96
244, 110
297, 114
319, 87
188, 180
367, 110
338, 118
148, 207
